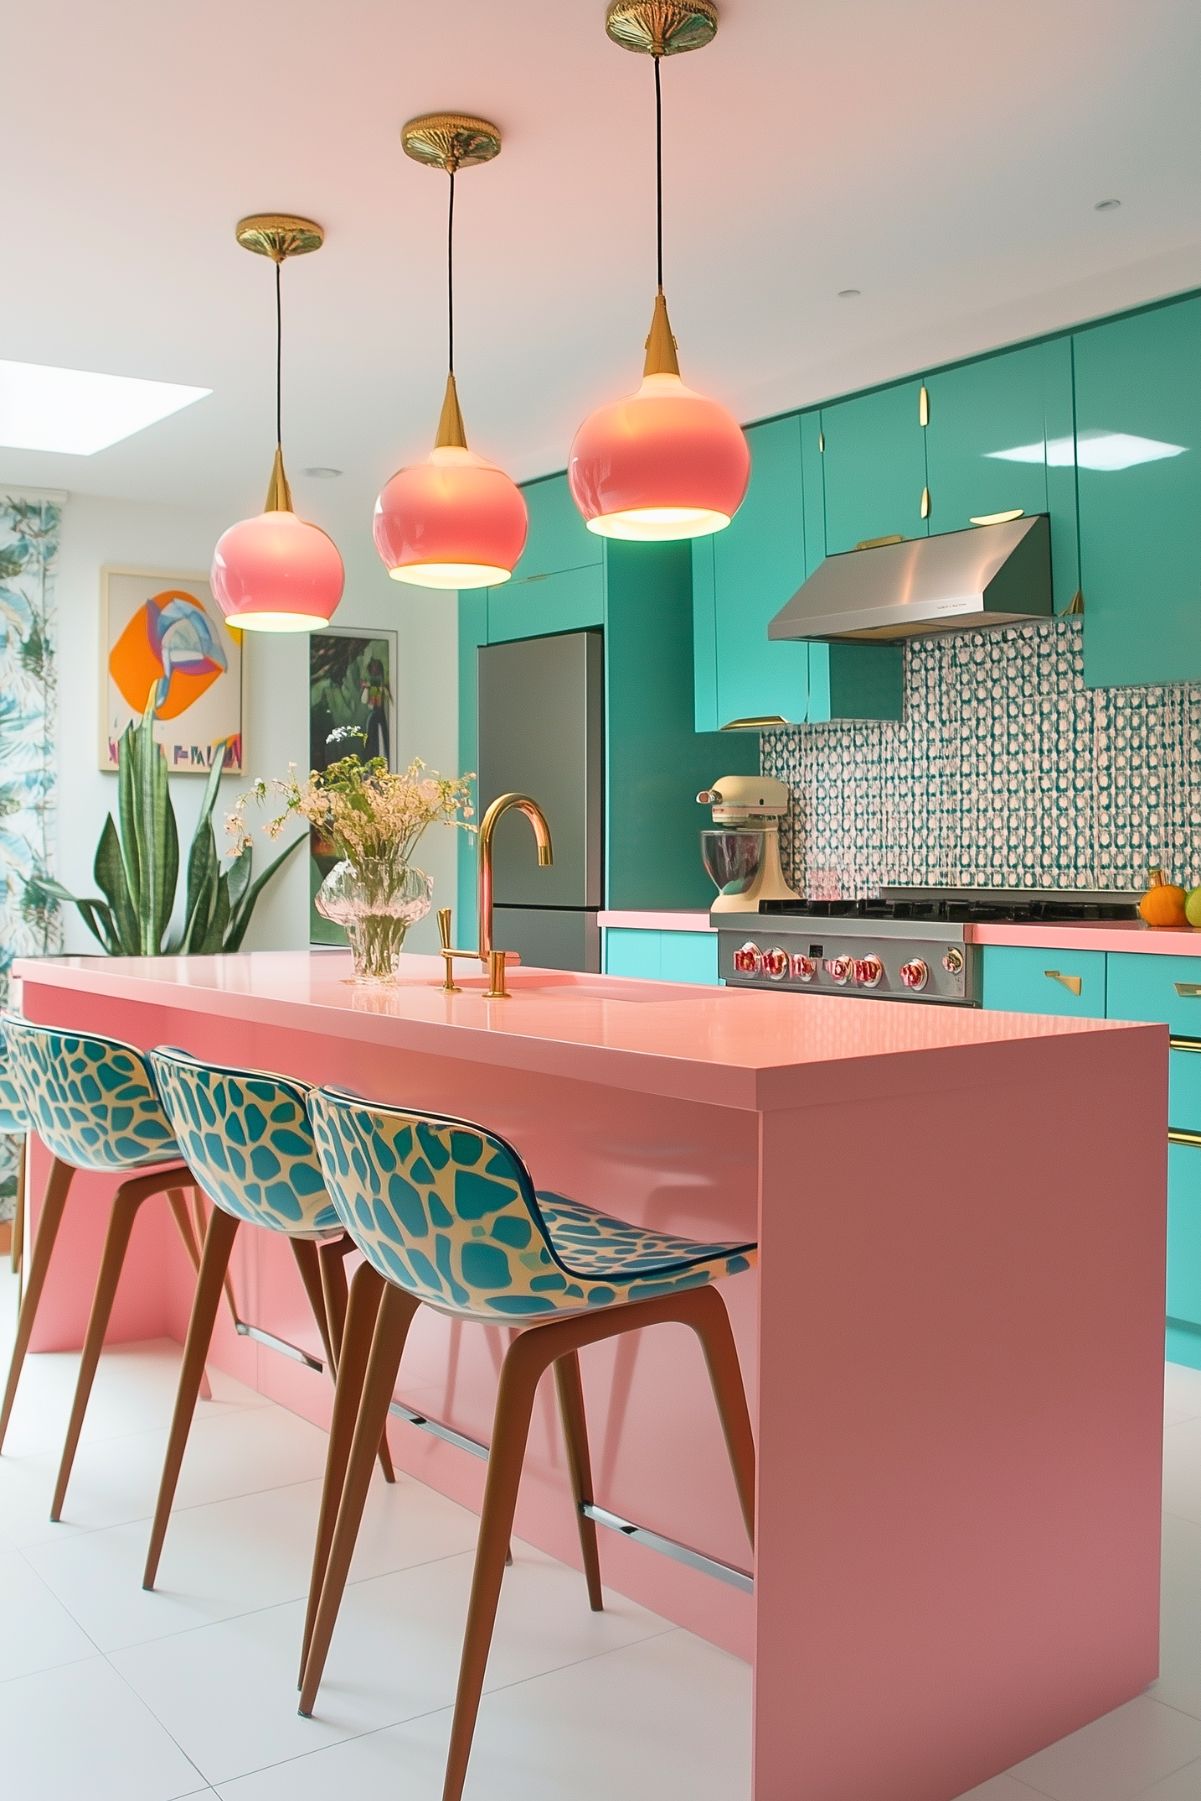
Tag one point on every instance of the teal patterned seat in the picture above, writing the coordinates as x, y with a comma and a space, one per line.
447, 1211
246, 1137
91, 1100
14, 1117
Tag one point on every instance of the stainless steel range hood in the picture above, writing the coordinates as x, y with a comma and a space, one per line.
991, 575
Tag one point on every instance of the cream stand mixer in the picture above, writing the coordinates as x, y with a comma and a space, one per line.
742, 852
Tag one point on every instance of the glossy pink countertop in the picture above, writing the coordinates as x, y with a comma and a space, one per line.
736, 1048
1094, 935
657, 922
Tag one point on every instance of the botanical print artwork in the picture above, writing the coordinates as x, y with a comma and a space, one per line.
1005, 770
29, 926
164, 638
352, 710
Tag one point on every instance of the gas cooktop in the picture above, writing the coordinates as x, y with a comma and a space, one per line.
1008, 905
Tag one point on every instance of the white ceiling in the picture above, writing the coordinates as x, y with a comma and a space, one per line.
944, 156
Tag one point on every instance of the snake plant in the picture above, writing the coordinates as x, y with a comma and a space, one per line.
137, 866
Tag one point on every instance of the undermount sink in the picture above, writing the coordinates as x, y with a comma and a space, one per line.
552, 984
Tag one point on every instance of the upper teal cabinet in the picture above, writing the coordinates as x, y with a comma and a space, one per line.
743, 576
999, 439
874, 465
1138, 450
558, 538
565, 600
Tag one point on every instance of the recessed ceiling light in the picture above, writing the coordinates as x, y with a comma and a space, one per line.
849, 293
1094, 449
321, 472
1106, 206
77, 411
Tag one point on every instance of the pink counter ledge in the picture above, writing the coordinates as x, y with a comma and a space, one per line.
1092, 935
954, 1343
657, 922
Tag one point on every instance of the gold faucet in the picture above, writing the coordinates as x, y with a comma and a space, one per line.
492, 959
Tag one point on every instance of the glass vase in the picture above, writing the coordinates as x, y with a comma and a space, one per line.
375, 901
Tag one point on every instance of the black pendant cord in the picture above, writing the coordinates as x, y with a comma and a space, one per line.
659, 171
450, 278
279, 357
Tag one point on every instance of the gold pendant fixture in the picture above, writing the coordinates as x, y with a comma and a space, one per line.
661, 27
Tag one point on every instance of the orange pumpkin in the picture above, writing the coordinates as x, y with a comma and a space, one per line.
1163, 903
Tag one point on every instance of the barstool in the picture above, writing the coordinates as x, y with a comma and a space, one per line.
92, 1102
447, 1214
246, 1138
14, 1123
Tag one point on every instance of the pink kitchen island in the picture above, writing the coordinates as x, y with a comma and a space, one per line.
954, 1340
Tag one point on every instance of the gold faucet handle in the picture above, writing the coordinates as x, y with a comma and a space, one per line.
444, 927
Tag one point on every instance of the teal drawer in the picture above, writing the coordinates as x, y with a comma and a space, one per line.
629, 953
688, 957
1145, 985
1020, 980
1184, 1087
1184, 1233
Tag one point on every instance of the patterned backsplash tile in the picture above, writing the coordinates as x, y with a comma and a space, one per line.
1005, 769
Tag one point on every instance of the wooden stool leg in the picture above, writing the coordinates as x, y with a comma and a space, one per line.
332, 1258
391, 1329
709, 1320
57, 1185
15, 1249
126, 1203
365, 1292
575, 1432
304, 1251
177, 1201
218, 1244
202, 1219
524, 1363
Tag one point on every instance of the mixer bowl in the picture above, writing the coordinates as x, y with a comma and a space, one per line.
733, 859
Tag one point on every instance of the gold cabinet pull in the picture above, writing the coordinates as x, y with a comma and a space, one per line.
1177, 1136
1184, 1044
1073, 984
754, 722
925, 503
1188, 991
997, 518
821, 443
923, 405
875, 543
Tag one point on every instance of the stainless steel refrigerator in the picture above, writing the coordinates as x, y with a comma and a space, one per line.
541, 730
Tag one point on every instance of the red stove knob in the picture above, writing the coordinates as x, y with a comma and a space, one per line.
839, 969
775, 963
749, 960
915, 975
803, 968
869, 972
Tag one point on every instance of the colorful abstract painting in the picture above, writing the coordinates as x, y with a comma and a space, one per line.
164, 639
352, 709
29, 926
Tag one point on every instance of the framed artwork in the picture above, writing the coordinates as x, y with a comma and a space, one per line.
164, 634
352, 689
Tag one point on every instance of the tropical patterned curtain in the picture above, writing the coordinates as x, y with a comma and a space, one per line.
29, 528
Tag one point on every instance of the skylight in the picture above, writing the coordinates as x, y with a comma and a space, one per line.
79, 412
1096, 449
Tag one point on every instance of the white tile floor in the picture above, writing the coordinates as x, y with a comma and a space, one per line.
109, 1694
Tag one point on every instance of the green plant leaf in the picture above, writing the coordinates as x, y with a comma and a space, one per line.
242, 915
158, 839
214, 938
95, 913
109, 871
204, 876
128, 837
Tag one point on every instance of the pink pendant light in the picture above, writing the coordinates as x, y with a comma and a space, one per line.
275, 572
664, 462
455, 520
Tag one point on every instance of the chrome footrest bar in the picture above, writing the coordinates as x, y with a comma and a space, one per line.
278, 1344
446, 1433
670, 1547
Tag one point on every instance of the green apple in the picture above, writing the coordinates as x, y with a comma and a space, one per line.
1192, 907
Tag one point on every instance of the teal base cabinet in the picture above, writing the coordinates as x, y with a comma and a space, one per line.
1018, 979
661, 956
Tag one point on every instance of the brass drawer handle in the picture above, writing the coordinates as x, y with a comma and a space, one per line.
877, 543
1188, 991
1176, 1136
925, 510
1184, 1044
998, 518
1073, 984
923, 406
755, 722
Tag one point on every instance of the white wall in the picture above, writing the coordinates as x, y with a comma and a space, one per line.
96, 532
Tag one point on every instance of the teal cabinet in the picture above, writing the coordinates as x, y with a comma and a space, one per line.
566, 600
743, 576
874, 467
1138, 450
1184, 1242
558, 538
1018, 979
662, 956
999, 439
1146, 985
